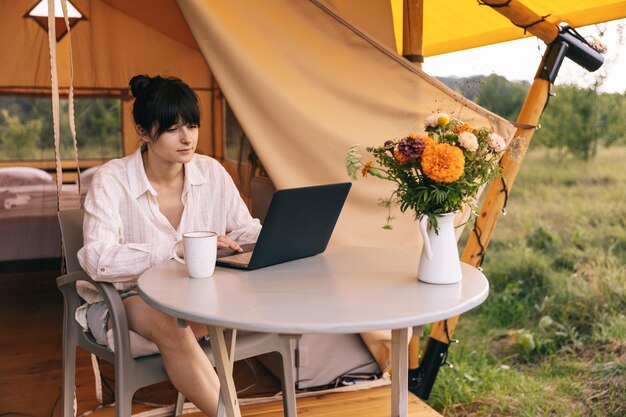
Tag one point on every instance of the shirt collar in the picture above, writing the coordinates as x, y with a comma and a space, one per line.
137, 178
193, 174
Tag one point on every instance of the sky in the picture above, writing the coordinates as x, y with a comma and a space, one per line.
518, 60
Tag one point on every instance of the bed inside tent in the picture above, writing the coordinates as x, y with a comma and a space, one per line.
286, 87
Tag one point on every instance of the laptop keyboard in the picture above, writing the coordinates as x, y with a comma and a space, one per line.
240, 258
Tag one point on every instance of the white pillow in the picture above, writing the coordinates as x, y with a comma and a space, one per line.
86, 176
15, 176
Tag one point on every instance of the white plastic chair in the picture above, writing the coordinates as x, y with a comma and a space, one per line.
133, 373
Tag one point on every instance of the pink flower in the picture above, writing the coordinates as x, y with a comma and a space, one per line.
431, 120
496, 142
469, 141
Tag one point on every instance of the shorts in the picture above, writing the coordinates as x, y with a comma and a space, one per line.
98, 318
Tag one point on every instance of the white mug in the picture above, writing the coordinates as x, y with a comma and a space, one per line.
200, 253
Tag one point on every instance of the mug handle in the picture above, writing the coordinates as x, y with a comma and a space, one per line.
179, 259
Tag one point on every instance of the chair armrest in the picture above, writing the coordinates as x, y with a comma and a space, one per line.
117, 313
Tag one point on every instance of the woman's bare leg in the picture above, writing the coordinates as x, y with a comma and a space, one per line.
186, 364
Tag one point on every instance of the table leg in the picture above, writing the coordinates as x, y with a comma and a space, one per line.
289, 385
399, 373
224, 352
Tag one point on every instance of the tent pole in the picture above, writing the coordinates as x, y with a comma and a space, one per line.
491, 210
493, 206
413, 31
440, 337
413, 50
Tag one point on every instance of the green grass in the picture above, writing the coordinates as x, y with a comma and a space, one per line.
551, 338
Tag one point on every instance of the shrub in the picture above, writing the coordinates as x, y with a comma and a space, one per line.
519, 278
542, 240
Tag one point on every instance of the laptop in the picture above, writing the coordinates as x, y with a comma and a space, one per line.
299, 223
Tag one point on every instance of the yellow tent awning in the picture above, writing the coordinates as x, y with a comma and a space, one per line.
454, 25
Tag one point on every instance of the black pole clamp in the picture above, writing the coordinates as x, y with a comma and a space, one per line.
422, 378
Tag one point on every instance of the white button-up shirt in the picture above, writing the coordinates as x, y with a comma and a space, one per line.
125, 233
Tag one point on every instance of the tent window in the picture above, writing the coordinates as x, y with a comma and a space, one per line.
39, 13
26, 131
236, 144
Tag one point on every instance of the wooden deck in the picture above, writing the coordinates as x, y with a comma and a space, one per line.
373, 402
30, 381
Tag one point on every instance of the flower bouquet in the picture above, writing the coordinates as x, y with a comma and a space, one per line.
437, 172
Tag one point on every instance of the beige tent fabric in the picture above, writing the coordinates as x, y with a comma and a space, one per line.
109, 47
305, 85
373, 17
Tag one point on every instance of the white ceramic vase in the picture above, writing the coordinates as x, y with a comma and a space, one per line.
439, 262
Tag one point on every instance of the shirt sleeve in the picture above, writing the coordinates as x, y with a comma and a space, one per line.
106, 256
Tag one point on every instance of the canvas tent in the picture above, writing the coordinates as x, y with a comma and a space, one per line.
305, 78
327, 79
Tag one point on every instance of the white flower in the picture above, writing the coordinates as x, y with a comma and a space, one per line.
496, 142
431, 120
353, 162
469, 141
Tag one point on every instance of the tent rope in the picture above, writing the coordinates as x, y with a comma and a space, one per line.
495, 6
506, 4
478, 232
505, 190
525, 126
481, 253
528, 26
70, 98
54, 83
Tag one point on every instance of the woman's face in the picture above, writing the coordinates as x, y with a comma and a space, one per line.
176, 144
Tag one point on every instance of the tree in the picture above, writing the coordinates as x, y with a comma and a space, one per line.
493, 92
577, 120
501, 96
18, 140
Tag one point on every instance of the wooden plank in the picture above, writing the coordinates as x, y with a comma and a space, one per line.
372, 402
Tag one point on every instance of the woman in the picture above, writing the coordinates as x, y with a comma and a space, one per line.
136, 210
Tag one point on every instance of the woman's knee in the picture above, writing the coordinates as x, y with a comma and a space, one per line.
151, 323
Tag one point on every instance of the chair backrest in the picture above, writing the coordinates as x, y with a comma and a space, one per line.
71, 222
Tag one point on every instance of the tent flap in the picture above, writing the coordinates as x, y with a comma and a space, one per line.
305, 84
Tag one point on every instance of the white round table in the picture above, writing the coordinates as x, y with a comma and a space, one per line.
343, 290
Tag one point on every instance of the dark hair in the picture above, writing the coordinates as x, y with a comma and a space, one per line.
161, 101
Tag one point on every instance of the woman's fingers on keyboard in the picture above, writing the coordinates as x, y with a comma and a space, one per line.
226, 242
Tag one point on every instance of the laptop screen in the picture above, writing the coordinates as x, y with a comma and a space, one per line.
299, 223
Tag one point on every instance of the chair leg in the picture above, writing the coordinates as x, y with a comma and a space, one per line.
288, 382
68, 389
123, 397
180, 402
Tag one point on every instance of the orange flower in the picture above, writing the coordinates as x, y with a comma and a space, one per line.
464, 127
443, 163
366, 168
428, 141
400, 157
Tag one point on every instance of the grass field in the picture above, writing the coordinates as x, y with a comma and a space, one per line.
551, 338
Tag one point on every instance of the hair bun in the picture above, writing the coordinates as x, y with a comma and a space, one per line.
138, 84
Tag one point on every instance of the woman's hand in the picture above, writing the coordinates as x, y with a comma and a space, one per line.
226, 242
180, 249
